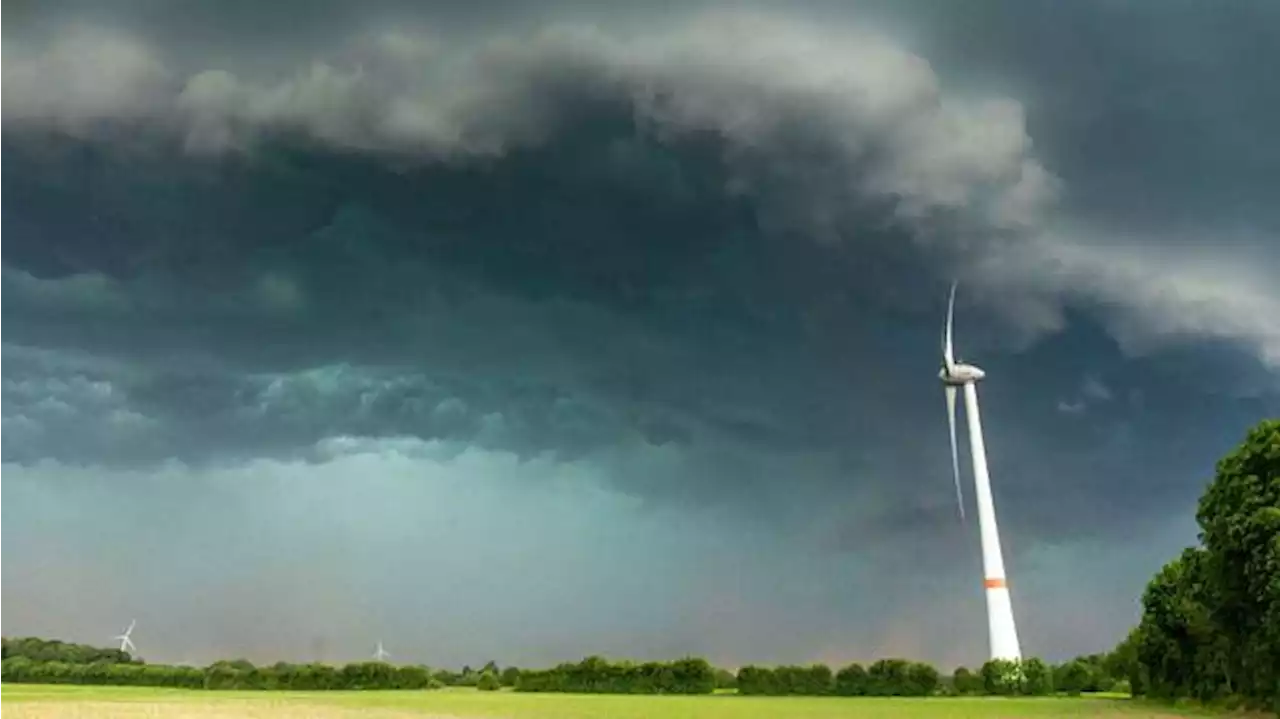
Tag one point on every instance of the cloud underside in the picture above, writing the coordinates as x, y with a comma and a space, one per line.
827, 133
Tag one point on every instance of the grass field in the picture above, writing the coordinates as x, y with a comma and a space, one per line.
23, 701
67, 702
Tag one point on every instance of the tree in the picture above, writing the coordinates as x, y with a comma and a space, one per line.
899, 677
690, 675
756, 680
509, 676
1072, 677
1037, 677
965, 681
1239, 517
412, 677
694, 675
1001, 677
852, 681
467, 677
488, 682
1122, 664
921, 680
1210, 624
726, 679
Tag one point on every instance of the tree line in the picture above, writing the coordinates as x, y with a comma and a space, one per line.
903, 678
39, 661
596, 675
52, 650
238, 674
1210, 625
33, 660
43, 661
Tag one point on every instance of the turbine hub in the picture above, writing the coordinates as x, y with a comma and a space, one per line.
961, 374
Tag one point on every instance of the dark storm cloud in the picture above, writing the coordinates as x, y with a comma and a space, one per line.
688, 266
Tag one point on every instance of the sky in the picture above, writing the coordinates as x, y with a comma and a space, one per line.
529, 331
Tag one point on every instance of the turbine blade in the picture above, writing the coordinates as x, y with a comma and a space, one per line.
955, 456
948, 352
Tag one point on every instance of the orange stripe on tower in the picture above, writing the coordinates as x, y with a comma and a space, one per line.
996, 583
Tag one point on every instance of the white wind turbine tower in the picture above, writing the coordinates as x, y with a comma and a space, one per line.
126, 644
1000, 626
381, 654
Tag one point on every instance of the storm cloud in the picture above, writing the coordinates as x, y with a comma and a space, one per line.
525, 333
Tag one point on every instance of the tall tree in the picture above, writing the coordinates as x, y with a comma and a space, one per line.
1239, 516
1211, 618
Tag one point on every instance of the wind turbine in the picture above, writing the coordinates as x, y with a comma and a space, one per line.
381, 654
1001, 630
126, 644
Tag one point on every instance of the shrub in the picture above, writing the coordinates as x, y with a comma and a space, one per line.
1001, 677
852, 681
966, 682
1072, 677
488, 682
1037, 677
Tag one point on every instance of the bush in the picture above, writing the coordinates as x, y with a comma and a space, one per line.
922, 680
756, 680
488, 682
1001, 677
1037, 677
901, 678
966, 682
852, 681
1072, 677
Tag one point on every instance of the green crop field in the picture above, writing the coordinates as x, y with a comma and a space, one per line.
65, 702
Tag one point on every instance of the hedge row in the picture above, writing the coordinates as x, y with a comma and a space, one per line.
51, 662
897, 678
887, 677
595, 675
53, 650
222, 675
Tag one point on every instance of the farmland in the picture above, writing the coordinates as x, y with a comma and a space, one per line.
67, 702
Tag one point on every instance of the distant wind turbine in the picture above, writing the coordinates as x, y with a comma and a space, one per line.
381, 655
1002, 632
126, 644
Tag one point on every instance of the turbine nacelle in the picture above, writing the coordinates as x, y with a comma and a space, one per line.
960, 374
953, 372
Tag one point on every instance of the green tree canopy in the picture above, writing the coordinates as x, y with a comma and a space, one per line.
1211, 618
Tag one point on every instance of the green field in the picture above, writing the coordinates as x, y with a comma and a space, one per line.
65, 702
